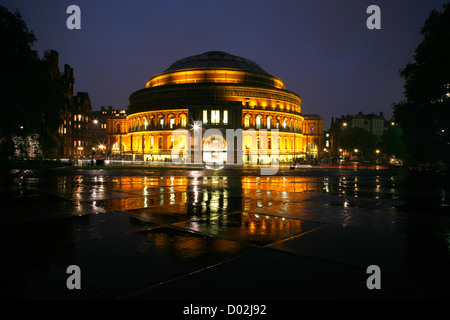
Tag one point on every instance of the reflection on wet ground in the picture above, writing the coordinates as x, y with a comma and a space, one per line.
216, 234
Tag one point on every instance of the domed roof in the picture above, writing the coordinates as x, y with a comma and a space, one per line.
215, 59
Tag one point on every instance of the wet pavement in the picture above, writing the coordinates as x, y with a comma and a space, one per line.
225, 234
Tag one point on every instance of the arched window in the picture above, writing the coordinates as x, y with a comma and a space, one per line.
247, 121
151, 122
183, 120
258, 122
268, 123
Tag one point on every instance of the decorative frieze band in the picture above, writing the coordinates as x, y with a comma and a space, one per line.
150, 94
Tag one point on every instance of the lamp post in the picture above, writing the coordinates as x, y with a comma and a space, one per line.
92, 155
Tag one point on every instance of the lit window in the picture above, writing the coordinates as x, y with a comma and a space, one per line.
183, 121
205, 116
268, 123
284, 124
151, 142
171, 122
225, 116
215, 116
145, 123
247, 121
161, 123
258, 122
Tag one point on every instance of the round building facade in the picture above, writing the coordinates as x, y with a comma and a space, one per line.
191, 110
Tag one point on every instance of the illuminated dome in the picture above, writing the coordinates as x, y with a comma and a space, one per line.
216, 59
215, 67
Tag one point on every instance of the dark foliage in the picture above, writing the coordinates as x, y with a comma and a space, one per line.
31, 101
424, 116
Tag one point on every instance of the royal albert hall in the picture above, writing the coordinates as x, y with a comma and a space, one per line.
211, 95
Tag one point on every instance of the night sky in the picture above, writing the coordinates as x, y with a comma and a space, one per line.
321, 49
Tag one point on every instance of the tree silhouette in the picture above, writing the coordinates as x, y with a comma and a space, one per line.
32, 102
358, 138
391, 142
424, 116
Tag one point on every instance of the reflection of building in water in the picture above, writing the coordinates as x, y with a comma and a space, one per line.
193, 196
223, 205
260, 224
290, 184
222, 91
188, 246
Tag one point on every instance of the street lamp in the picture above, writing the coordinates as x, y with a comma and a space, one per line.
377, 151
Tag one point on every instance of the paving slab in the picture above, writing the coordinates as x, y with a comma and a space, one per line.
273, 275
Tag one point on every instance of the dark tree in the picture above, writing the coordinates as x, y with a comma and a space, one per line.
31, 101
424, 116
392, 144
358, 138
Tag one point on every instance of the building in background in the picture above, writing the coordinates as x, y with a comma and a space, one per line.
218, 91
82, 126
64, 138
100, 138
75, 132
372, 123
